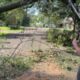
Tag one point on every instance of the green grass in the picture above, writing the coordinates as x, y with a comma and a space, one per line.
68, 60
60, 37
6, 30
11, 68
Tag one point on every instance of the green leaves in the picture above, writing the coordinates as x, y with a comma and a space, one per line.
60, 37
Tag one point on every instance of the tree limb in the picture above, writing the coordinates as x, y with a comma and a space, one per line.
74, 9
16, 5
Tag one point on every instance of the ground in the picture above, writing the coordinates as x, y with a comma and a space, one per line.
47, 71
25, 44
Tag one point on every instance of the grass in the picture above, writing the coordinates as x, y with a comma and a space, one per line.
7, 30
11, 68
4, 28
67, 59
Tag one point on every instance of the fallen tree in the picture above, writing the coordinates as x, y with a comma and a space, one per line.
15, 5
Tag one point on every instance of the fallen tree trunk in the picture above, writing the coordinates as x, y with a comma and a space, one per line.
15, 5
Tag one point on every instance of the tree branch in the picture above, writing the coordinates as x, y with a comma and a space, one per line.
74, 9
16, 5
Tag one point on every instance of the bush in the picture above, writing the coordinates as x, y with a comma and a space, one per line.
12, 67
60, 36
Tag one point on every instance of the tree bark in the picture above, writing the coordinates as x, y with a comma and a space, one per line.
16, 5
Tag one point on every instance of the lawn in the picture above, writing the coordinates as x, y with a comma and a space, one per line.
6, 30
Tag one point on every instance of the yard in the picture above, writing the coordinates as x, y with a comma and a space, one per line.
35, 56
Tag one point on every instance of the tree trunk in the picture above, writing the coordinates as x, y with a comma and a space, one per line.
16, 5
74, 27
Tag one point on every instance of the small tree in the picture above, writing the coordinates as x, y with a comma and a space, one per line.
11, 20
26, 21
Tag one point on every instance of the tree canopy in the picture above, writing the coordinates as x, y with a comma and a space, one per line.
12, 4
54, 10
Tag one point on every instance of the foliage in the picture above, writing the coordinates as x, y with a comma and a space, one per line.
10, 68
14, 17
3, 2
67, 59
60, 36
11, 20
4, 28
26, 21
55, 10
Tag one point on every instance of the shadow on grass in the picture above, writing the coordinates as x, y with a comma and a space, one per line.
17, 35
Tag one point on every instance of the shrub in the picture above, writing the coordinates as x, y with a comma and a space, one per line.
60, 36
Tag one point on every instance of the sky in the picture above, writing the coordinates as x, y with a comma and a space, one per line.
33, 11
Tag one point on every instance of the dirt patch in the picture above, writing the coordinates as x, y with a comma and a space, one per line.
48, 68
46, 71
